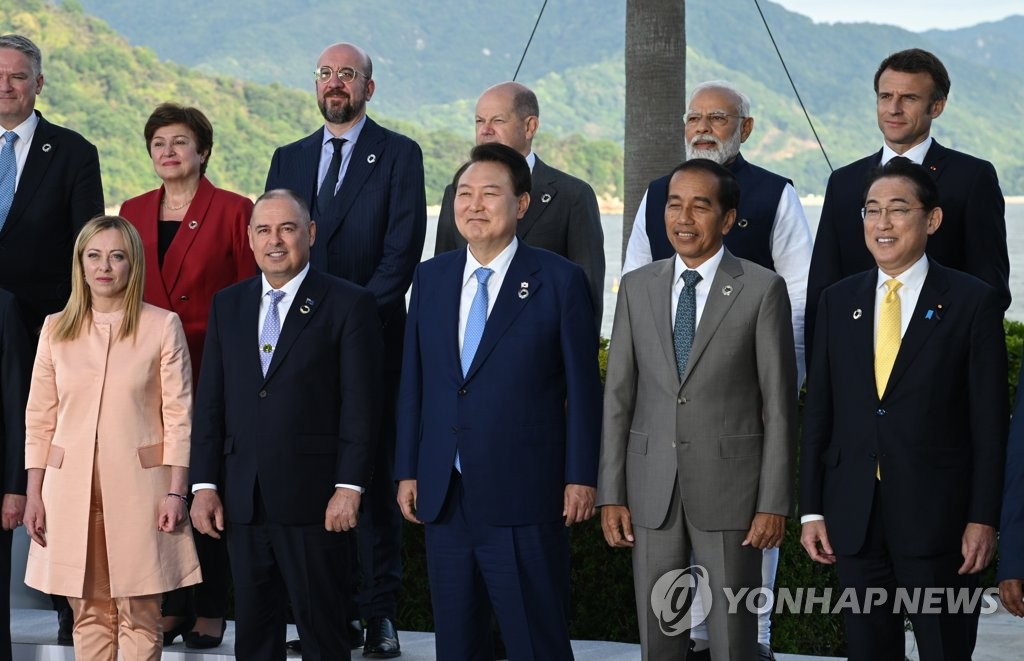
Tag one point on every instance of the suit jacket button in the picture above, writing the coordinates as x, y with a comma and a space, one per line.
673, 443
183, 298
681, 400
263, 394
880, 412
455, 428
462, 391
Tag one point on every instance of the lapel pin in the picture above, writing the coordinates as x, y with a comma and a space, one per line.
545, 198
192, 224
267, 348
525, 291
47, 147
371, 159
727, 290
306, 307
929, 314
742, 222
857, 313
932, 168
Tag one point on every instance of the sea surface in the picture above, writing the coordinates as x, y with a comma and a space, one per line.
613, 257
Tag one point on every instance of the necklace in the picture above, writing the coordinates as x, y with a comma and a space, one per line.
177, 208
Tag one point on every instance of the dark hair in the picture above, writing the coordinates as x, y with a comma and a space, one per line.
171, 113
924, 186
514, 162
285, 193
26, 47
916, 60
728, 193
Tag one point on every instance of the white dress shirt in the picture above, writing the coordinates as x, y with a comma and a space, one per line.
26, 131
707, 272
915, 153
327, 153
470, 284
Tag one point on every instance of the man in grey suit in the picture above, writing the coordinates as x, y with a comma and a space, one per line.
698, 446
562, 217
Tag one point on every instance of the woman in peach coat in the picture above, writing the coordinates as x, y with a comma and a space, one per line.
107, 448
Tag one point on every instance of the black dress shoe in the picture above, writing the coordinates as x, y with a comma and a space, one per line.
182, 630
200, 641
355, 637
702, 655
65, 626
381, 639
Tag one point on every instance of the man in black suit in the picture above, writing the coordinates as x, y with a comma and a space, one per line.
15, 369
902, 465
563, 216
49, 187
371, 219
283, 432
911, 87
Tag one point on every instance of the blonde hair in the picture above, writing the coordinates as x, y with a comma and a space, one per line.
79, 308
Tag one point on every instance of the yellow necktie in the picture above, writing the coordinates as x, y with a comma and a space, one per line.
888, 344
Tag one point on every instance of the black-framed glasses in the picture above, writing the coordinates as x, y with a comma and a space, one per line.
896, 214
716, 119
345, 74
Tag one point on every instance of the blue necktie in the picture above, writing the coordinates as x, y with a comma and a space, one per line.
271, 330
474, 329
8, 173
686, 320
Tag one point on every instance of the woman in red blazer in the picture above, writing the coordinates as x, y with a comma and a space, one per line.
195, 243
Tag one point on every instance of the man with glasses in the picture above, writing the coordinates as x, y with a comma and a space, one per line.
770, 230
911, 87
364, 187
905, 430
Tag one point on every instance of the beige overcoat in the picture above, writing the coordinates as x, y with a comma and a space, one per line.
129, 405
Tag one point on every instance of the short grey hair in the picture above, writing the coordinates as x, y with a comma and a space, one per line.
26, 46
744, 108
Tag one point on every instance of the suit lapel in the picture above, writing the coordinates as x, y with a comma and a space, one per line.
366, 154
542, 194
249, 318
659, 293
44, 149
444, 297
859, 317
191, 225
935, 160
725, 289
308, 168
520, 277
307, 303
932, 300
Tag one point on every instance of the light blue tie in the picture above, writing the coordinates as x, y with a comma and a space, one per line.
686, 320
474, 329
271, 330
8, 174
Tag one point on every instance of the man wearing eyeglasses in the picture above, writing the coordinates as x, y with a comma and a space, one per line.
911, 87
770, 230
905, 430
364, 187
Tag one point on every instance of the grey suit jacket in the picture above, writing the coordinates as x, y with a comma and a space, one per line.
563, 217
727, 432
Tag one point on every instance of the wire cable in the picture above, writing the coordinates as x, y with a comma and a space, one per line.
530, 40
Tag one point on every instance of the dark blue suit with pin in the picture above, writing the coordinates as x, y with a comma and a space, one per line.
526, 422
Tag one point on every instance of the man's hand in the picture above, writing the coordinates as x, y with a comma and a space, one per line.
13, 510
35, 520
578, 503
1011, 592
208, 513
617, 526
978, 546
342, 510
766, 531
407, 500
813, 536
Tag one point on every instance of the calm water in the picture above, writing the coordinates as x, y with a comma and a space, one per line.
613, 252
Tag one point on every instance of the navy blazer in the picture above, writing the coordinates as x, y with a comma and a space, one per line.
15, 372
526, 418
1011, 527
307, 425
59, 191
972, 237
373, 234
938, 432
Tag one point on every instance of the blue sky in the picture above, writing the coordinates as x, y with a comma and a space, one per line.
914, 15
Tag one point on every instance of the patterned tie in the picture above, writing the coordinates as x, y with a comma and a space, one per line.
686, 320
888, 344
8, 173
271, 330
326, 195
474, 329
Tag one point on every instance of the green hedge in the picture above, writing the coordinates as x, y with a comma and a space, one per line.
603, 606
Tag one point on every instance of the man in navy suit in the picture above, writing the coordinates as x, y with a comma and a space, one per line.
282, 438
905, 428
498, 421
1011, 527
371, 218
911, 87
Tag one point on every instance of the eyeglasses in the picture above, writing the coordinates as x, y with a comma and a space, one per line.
896, 214
716, 119
345, 74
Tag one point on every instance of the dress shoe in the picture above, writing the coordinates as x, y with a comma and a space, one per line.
381, 639
181, 630
65, 626
765, 653
355, 638
199, 641
702, 655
